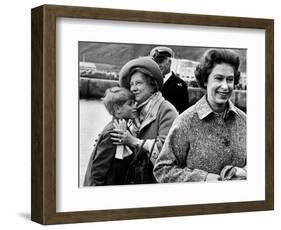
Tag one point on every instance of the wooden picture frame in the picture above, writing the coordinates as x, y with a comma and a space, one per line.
43, 189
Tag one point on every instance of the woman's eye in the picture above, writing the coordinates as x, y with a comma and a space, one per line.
135, 83
230, 79
219, 78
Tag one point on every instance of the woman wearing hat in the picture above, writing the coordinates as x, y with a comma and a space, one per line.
208, 141
143, 78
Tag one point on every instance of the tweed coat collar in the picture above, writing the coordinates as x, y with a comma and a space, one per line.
203, 109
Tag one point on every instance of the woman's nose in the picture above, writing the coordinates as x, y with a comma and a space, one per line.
132, 87
224, 84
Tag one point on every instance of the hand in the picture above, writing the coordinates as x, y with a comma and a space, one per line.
120, 137
212, 177
230, 172
120, 124
240, 172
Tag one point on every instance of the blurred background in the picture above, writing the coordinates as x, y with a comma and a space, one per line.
104, 61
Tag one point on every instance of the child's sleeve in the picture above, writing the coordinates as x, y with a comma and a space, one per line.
100, 165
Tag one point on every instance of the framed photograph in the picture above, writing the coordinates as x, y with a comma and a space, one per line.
84, 171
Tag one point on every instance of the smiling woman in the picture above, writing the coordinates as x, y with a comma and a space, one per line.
208, 141
218, 73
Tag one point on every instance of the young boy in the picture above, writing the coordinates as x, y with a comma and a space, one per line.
108, 163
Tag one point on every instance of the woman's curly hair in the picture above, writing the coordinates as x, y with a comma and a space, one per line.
211, 58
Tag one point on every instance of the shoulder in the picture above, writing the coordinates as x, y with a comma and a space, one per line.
167, 111
187, 117
179, 81
167, 106
241, 115
107, 129
190, 112
183, 125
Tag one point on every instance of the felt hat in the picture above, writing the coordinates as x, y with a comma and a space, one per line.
151, 68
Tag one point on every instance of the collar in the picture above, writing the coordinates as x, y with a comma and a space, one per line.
203, 108
167, 76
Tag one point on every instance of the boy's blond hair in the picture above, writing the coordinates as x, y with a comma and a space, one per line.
116, 96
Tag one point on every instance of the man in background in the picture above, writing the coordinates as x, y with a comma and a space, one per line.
174, 88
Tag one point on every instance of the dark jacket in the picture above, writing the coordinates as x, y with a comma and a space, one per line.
103, 168
175, 91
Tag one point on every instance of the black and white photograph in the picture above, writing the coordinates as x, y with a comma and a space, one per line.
143, 114
154, 113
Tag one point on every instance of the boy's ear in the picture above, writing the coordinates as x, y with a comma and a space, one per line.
116, 109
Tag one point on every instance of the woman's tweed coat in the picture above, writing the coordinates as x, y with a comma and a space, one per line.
157, 124
201, 142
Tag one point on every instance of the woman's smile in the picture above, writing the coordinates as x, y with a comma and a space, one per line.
223, 94
136, 94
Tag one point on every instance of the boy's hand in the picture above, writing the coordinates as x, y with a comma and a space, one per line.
120, 124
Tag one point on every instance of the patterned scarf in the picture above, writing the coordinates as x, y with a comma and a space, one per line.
145, 107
